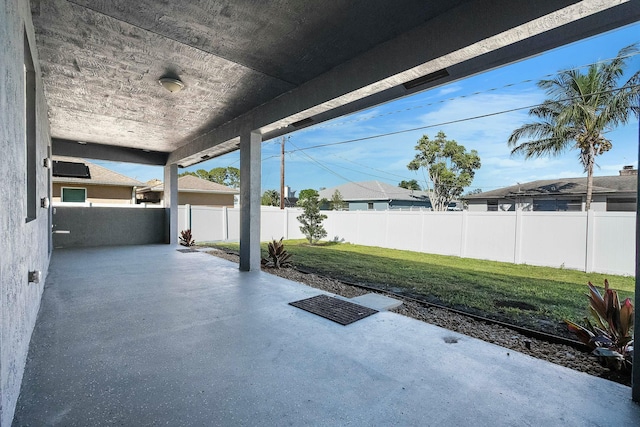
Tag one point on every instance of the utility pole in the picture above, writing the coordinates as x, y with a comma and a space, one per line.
282, 141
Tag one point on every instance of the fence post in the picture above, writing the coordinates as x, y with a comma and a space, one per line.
591, 225
358, 241
285, 233
187, 217
225, 224
517, 250
463, 234
422, 216
386, 228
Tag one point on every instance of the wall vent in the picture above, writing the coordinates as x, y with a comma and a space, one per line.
428, 78
302, 122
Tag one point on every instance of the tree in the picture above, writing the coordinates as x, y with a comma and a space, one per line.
305, 194
311, 220
337, 203
200, 173
474, 191
449, 168
412, 184
581, 108
228, 176
270, 198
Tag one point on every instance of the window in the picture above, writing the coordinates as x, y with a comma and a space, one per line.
30, 131
77, 195
558, 205
548, 205
574, 205
621, 204
492, 205
370, 206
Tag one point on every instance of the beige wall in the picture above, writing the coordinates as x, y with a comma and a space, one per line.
204, 199
97, 193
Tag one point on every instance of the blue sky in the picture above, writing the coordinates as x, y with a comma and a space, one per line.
385, 158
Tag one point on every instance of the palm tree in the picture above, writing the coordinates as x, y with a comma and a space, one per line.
581, 109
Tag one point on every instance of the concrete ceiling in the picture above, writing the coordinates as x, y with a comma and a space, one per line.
271, 66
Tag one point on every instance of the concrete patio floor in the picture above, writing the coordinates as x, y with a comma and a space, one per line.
146, 335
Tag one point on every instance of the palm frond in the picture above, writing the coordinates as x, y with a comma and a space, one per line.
541, 147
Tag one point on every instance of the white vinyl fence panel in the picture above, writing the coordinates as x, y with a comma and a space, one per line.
613, 243
555, 239
489, 235
595, 241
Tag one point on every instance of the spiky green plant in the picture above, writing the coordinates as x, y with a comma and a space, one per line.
278, 256
610, 334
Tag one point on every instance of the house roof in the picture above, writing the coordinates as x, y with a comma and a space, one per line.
373, 190
192, 184
98, 175
561, 187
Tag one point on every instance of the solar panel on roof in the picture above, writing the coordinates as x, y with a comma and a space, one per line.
71, 170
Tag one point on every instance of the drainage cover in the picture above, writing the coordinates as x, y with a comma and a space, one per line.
185, 251
337, 310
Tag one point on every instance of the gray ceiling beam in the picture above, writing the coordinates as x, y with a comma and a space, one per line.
472, 38
88, 150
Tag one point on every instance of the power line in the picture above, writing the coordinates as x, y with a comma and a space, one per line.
331, 171
508, 85
466, 119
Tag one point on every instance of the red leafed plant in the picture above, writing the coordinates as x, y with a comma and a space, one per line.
610, 334
186, 239
278, 255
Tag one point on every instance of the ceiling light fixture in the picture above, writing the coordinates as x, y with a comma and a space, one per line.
171, 84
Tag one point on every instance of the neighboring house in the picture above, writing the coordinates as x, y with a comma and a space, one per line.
79, 181
375, 195
191, 191
610, 193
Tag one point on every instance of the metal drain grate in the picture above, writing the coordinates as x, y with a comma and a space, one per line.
186, 251
335, 309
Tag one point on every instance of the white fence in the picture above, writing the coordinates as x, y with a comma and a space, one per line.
593, 242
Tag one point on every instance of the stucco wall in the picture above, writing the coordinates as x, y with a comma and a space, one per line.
598, 203
363, 206
203, 199
24, 244
80, 226
194, 199
98, 193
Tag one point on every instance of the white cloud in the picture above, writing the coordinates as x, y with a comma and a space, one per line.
446, 90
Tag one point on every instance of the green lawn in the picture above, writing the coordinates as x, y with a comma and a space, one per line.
468, 284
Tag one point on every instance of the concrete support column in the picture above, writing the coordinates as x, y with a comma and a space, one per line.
250, 177
171, 203
635, 373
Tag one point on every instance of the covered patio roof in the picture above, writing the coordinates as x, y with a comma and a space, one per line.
269, 67
146, 335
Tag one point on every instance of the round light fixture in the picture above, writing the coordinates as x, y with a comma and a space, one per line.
171, 84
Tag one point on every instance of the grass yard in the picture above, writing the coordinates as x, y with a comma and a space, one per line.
478, 286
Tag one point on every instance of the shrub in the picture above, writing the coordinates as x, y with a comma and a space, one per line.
311, 220
609, 336
278, 256
186, 239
